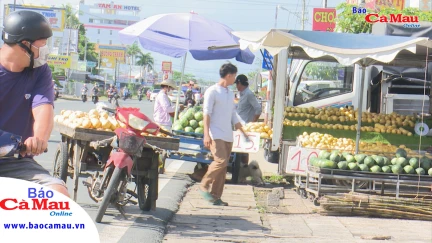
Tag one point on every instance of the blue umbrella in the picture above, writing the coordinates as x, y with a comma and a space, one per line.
176, 34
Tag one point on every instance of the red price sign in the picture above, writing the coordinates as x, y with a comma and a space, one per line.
298, 158
240, 145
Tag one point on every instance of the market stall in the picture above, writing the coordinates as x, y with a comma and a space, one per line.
75, 157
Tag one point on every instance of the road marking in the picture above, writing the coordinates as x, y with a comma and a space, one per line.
115, 233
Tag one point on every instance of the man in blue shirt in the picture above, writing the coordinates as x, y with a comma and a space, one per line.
248, 107
27, 95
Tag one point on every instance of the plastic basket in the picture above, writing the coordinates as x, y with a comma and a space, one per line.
130, 143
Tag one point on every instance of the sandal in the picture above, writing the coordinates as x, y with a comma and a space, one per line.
219, 202
206, 195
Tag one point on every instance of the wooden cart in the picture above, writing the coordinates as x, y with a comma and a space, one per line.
74, 156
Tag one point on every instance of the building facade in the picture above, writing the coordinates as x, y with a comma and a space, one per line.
103, 21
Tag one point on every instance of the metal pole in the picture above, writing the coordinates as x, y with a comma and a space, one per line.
276, 15
130, 69
359, 109
179, 88
324, 3
115, 73
85, 52
67, 50
303, 14
14, 4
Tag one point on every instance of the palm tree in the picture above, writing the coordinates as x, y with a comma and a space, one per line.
145, 60
133, 51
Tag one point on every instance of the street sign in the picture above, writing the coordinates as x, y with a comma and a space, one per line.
267, 63
241, 146
91, 64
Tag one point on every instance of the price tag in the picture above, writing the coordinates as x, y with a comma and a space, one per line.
298, 158
240, 145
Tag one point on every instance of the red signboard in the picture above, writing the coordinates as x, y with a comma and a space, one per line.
166, 66
324, 19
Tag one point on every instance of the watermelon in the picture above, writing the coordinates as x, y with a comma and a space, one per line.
396, 169
313, 161
184, 122
420, 171
369, 161
343, 165
324, 154
353, 166
393, 161
193, 124
363, 167
386, 169
400, 152
199, 116
402, 161
386, 161
379, 160
201, 124
359, 158
199, 130
349, 158
375, 169
414, 162
425, 163
328, 164
178, 127
409, 169
334, 156
189, 129
430, 172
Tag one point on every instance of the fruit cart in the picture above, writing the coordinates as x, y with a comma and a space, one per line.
314, 184
74, 156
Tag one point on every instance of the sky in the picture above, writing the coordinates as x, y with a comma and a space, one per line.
240, 15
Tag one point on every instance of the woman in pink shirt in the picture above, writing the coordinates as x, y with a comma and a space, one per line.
163, 109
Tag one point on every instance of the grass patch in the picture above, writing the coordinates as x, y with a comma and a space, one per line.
275, 179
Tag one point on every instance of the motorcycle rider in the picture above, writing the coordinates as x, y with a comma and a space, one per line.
56, 91
84, 91
112, 93
95, 91
125, 93
140, 93
27, 95
190, 96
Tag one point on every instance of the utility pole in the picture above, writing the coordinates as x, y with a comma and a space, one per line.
324, 3
67, 51
14, 4
85, 52
304, 14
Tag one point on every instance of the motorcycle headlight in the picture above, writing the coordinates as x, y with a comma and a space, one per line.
137, 123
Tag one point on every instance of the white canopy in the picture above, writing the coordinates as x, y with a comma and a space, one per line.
346, 48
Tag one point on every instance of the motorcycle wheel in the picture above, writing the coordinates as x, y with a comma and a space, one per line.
144, 190
116, 177
60, 167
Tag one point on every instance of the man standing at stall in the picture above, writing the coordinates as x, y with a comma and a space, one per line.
219, 117
248, 107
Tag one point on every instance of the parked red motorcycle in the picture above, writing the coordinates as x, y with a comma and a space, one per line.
127, 162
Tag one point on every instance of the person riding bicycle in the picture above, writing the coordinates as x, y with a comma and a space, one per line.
27, 95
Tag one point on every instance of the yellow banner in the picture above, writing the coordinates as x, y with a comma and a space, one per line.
109, 56
60, 61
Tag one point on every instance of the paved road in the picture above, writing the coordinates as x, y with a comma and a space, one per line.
140, 226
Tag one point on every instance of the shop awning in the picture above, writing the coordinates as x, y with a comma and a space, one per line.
346, 48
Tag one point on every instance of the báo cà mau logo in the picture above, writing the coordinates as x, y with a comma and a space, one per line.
393, 18
39, 200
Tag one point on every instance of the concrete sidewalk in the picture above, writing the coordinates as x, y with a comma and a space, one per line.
242, 221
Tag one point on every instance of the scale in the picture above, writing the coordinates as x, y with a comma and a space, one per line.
421, 128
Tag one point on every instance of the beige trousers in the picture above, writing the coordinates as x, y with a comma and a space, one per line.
216, 173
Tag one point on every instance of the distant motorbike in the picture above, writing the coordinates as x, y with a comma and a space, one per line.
113, 99
84, 96
140, 96
95, 97
56, 94
190, 102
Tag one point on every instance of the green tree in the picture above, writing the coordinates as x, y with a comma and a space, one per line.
132, 51
146, 61
186, 77
348, 22
72, 21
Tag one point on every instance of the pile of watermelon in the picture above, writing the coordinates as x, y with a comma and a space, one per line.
400, 164
190, 121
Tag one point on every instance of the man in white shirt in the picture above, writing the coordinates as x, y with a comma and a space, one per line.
219, 118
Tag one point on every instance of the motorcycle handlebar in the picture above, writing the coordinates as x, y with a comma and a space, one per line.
23, 148
109, 109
